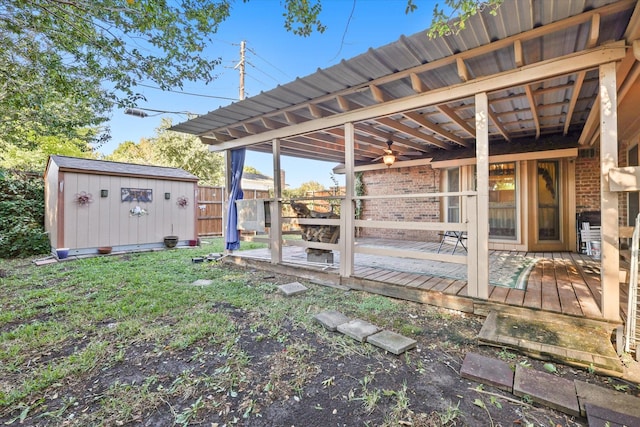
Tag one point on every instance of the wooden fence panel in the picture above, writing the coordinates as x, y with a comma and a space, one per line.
210, 208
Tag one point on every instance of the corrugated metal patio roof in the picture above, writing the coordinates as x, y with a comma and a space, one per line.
524, 32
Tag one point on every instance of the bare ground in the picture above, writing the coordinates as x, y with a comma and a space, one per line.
302, 376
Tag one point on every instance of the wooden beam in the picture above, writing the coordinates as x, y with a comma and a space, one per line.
417, 84
378, 94
251, 128
318, 112
422, 121
594, 31
534, 72
271, 124
577, 86
346, 105
498, 124
624, 179
449, 112
517, 53
610, 266
293, 118
237, 133
400, 127
463, 72
275, 207
347, 229
481, 225
534, 109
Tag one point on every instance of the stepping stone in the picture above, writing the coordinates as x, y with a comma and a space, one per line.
291, 289
392, 342
615, 401
602, 417
358, 329
46, 261
487, 370
331, 319
202, 282
556, 392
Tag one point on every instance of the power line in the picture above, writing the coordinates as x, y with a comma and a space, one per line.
269, 63
188, 93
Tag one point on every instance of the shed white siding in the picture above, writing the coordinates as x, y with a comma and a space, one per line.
111, 221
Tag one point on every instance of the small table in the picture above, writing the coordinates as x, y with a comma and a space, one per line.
457, 236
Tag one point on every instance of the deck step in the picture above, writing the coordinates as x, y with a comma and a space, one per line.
585, 343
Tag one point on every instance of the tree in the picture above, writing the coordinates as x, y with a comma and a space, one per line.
173, 149
66, 63
452, 22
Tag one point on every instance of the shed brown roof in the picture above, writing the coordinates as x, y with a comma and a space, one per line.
103, 167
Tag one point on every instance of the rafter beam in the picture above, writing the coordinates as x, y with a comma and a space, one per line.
517, 53
417, 84
449, 112
271, 124
379, 95
318, 112
574, 100
422, 121
498, 124
346, 105
534, 109
293, 118
401, 127
594, 31
237, 133
252, 128
463, 72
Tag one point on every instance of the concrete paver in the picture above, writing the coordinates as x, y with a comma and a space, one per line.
603, 417
293, 288
556, 392
358, 329
589, 394
331, 319
392, 342
202, 282
487, 370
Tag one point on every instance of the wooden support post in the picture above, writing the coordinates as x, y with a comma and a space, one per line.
471, 216
482, 180
608, 199
275, 231
347, 229
225, 196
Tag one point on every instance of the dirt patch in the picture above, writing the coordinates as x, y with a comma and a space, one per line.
293, 373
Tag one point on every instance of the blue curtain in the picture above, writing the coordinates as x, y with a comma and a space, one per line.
232, 237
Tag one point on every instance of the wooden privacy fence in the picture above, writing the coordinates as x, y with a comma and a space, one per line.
211, 208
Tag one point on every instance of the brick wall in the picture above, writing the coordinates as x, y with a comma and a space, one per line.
420, 179
588, 181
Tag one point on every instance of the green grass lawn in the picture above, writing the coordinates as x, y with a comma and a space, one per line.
63, 323
127, 339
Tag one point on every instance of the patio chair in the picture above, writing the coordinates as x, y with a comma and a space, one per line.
454, 238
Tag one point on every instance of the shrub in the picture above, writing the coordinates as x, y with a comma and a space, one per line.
22, 215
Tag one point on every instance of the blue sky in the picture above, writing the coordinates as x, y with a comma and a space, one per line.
275, 56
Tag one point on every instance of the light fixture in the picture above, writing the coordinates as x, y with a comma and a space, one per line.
167, 196
104, 193
388, 158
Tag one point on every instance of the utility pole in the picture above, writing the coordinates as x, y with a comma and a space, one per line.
241, 67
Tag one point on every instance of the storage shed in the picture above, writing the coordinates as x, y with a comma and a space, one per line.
92, 204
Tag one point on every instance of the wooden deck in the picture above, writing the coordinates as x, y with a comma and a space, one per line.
561, 282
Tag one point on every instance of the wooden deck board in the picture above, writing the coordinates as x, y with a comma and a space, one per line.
566, 283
